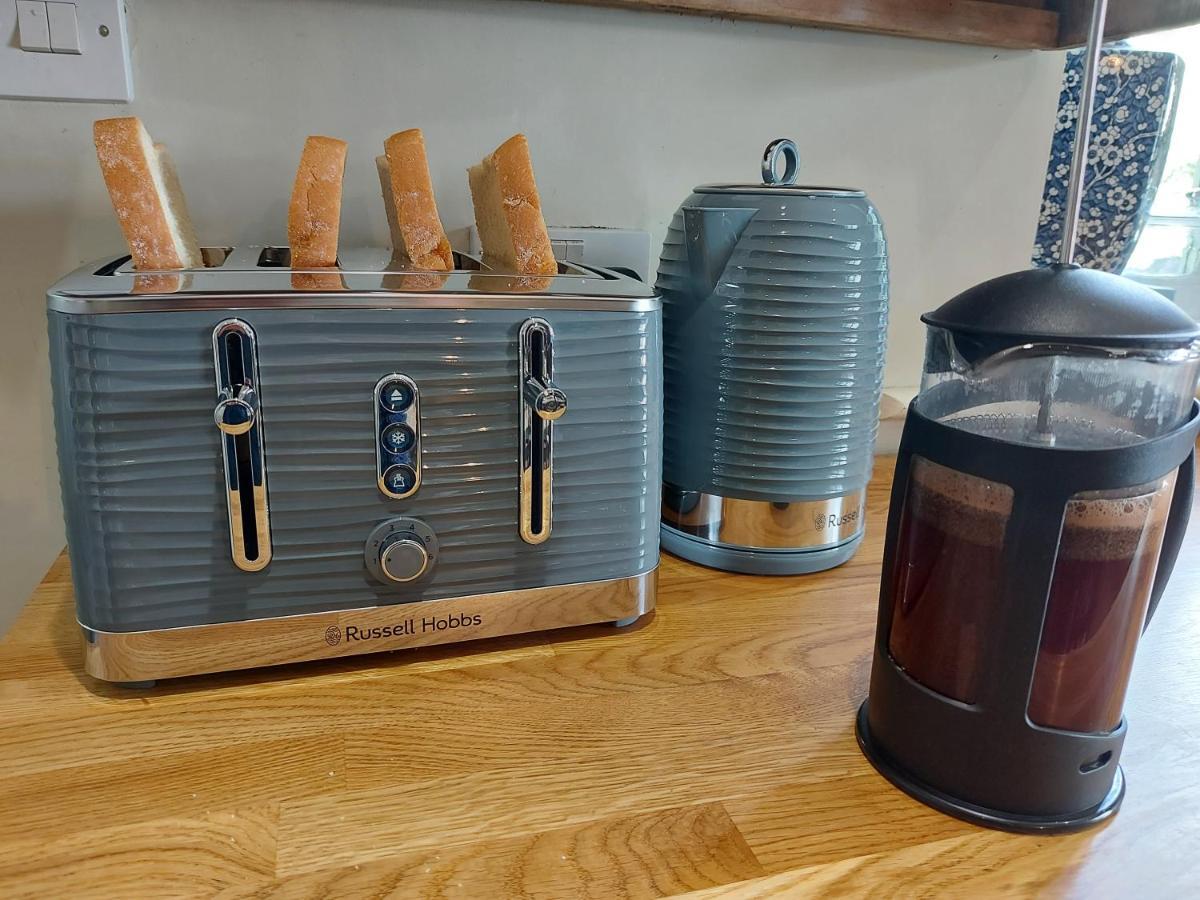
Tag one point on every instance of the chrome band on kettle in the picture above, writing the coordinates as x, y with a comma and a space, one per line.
764, 524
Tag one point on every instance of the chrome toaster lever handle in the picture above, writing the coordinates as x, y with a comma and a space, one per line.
239, 419
540, 402
236, 413
546, 399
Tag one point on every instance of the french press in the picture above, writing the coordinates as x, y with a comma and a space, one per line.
1041, 493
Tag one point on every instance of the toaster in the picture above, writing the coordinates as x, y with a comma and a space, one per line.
262, 465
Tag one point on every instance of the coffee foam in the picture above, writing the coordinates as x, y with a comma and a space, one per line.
971, 508
959, 487
1097, 526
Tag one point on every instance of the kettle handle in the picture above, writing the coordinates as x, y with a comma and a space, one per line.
1177, 520
780, 148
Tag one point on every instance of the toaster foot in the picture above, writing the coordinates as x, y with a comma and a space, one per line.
628, 620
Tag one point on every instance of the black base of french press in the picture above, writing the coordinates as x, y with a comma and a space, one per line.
981, 815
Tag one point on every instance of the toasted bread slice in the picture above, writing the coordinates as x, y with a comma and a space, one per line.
146, 196
315, 213
418, 238
508, 213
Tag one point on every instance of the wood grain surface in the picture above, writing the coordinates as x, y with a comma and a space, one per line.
1124, 18
709, 749
1019, 24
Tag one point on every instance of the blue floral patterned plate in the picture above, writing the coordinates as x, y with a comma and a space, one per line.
1134, 113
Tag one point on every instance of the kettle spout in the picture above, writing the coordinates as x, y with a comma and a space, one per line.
710, 236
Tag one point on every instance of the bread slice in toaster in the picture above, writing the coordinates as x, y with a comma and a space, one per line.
508, 212
418, 239
145, 193
315, 213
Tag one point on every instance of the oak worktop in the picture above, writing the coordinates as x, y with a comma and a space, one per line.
711, 748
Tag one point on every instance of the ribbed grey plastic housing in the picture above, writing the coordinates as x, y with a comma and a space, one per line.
141, 461
774, 361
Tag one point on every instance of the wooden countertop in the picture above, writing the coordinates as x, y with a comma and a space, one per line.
709, 749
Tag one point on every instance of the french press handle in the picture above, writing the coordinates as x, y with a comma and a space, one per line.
1177, 521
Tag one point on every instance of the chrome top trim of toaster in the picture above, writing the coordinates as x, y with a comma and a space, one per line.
254, 277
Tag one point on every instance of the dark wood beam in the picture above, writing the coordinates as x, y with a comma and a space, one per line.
1015, 23
1125, 18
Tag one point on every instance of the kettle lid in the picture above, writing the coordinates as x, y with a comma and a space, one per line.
1066, 304
773, 182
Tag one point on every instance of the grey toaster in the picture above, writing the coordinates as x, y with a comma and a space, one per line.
263, 465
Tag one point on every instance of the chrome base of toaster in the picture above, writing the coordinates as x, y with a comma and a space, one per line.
764, 524
140, 656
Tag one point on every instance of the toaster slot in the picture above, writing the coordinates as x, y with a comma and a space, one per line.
275, 258
211, 257
238, 416
214, 257
540, 402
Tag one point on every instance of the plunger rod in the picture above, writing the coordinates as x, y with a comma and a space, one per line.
1083, 127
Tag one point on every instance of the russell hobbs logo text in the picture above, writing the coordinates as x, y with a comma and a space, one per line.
414, 626
823, 521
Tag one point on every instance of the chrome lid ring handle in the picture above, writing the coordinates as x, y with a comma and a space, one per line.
770, 163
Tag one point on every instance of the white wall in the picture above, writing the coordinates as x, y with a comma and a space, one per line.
625, 112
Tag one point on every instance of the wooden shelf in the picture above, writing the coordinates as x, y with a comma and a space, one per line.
1125, 18
1017, 24
994, 24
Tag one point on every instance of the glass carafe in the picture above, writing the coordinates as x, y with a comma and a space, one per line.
950, 565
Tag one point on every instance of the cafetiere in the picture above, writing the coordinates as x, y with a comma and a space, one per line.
1041, 493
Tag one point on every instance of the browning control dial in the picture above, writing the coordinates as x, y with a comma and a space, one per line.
401, 551
403, 558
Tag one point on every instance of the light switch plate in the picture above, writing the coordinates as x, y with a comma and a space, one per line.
99, 72
64, 26
33, 26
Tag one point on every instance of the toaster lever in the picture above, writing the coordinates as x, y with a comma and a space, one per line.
545, 398
238, 418
236, 413
541, 402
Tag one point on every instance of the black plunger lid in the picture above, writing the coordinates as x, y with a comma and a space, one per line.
1066, 304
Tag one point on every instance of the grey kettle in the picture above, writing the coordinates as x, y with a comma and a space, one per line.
775, 303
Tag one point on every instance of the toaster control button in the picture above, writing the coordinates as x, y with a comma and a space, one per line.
404, 558
401, 551
400, 480
398, 438
397, 412
396, 396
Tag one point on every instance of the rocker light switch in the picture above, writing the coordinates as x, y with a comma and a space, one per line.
64, 27
33, 25
82, 50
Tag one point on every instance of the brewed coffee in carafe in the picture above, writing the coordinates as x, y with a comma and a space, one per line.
950, 569
950, 565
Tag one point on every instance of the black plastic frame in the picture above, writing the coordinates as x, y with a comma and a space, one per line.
985, 761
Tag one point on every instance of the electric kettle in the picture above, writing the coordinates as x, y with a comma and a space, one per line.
775, 299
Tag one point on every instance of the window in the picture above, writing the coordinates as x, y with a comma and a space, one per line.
1167, 255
